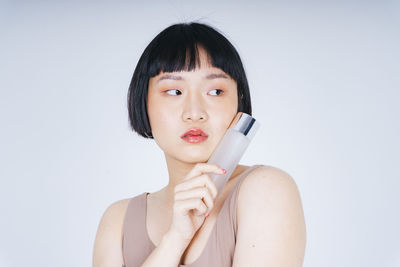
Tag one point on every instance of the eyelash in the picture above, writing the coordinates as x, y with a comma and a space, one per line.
221, 91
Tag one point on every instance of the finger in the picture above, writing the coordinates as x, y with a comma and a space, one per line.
201, 168
183, 207
199, 181
198, 192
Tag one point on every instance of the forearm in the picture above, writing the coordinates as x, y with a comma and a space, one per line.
168, 253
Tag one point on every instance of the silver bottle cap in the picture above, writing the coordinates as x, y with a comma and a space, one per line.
245, 124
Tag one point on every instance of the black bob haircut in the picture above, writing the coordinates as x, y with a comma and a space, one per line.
176, 49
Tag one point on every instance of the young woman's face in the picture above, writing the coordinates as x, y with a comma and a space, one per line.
205, 98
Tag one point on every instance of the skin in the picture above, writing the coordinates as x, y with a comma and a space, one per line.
197, 103
270, 218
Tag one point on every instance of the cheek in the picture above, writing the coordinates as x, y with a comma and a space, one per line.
222, 120
159, 116
153, 112
156, 118
227, 110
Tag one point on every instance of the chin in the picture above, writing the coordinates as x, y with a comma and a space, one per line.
192, 156
194, 161
195, 158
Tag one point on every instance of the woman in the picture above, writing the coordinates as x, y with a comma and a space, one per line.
187, 87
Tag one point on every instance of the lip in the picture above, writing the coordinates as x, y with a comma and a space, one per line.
197, 135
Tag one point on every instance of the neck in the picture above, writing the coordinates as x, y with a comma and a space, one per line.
177, 171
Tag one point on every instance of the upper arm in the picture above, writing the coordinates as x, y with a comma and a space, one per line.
107, 247
271, 226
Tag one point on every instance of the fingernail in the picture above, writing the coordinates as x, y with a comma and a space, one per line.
223, 170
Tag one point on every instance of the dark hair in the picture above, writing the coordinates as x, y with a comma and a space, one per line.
176, 49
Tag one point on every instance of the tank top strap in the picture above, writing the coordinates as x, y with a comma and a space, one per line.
233, 198
134, 231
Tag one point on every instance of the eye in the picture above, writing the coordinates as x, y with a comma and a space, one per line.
176, 90
218, 90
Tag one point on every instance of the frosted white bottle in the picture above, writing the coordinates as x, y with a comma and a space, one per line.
232, 146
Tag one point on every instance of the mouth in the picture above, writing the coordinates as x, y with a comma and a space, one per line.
194, 135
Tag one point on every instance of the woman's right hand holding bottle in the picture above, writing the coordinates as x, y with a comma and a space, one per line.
193, 199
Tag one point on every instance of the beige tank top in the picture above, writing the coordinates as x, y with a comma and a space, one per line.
219, 249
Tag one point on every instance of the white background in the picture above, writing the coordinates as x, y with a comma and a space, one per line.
324, 81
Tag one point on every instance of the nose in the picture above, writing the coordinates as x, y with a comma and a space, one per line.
194, 109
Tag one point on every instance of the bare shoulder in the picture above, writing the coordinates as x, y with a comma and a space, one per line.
270, 218
116, 210
107, 247
113, 217
269, 179
269, 184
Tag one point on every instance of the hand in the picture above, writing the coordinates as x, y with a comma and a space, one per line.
193, 200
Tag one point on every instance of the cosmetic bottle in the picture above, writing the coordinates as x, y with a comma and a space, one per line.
232, 146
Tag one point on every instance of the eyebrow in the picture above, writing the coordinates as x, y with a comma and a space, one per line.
177, 77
